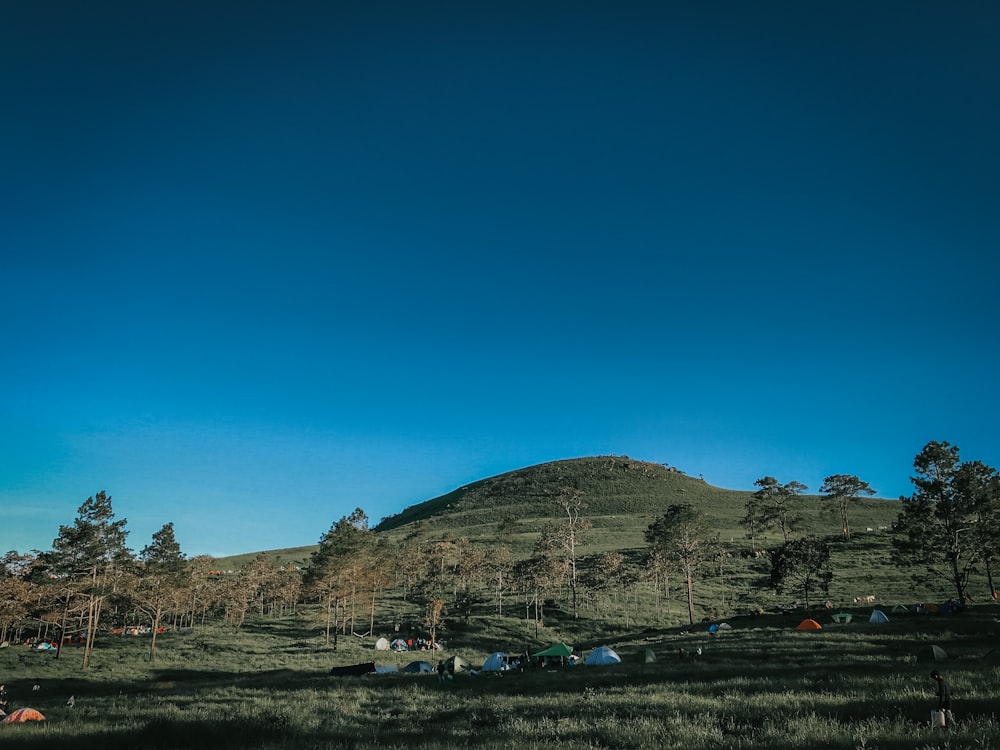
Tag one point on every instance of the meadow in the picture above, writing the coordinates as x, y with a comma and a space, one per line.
762, 684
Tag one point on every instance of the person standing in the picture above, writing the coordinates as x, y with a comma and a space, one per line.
944, 698
3, 699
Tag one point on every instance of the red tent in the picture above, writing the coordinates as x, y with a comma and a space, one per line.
23, 714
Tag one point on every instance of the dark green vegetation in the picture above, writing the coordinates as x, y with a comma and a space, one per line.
761, 685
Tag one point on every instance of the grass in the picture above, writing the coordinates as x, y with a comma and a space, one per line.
761, 685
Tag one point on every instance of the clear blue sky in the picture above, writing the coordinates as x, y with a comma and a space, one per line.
263, 263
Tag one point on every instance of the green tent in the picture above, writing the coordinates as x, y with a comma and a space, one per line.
556, 649
646, 656
843, 617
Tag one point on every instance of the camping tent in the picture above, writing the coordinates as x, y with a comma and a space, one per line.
386, 669
456, 665
950, 607
878, 616
900, 609
843, 617
809, 625
646, 656
418, 667
932, 654
601, 656
496, 662
992, 657
398, 645
725, 626
23, 714
381, 645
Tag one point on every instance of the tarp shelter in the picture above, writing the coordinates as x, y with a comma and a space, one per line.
419, 667
382, 644
457, 665
878, 616
809, 625
843, 617
23, 714
496, 662
932, 654
398, 645
601, 656
556, 649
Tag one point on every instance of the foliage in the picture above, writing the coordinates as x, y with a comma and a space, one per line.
775, 504
843, 490
680, 535
938, 530
802, 564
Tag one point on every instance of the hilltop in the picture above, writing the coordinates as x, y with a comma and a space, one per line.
621, 497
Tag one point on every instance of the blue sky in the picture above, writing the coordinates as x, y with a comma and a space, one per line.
265, 263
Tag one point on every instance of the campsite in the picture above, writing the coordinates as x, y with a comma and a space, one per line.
617, 659
760, 683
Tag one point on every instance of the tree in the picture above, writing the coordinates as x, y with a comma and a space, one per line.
570, 533
802, 564
330, 574
679, 536
434, 617
163, 574
91, 553
938, 532
756, 517
777, 503
843, 490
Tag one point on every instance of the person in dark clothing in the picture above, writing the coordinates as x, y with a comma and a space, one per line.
943, 696
3, 699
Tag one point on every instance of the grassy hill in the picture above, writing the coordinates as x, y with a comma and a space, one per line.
622, 496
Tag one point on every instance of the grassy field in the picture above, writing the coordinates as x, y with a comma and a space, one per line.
761, 685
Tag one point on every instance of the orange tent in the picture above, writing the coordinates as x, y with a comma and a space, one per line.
809, 625
23, 714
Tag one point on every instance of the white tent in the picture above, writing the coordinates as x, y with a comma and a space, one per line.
496, 662
602, 655
878, 616
382, 644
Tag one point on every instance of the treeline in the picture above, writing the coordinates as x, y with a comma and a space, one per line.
91, 584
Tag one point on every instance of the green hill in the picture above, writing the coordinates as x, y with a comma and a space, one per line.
622, 496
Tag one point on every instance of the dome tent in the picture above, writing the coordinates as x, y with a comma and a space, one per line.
809, 625
931, 653
878, 617
601, 656
419, 667
496, 662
